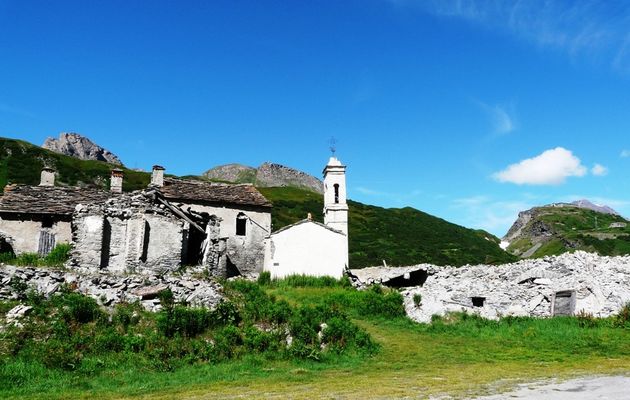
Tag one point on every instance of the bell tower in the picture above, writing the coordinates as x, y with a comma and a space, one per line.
335, 206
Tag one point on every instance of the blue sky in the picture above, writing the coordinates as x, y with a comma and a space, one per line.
471, 111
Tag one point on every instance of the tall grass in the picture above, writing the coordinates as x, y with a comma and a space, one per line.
56, 258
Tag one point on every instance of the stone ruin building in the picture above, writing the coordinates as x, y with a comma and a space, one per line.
244, 212
172, 223
34, 219
143, 232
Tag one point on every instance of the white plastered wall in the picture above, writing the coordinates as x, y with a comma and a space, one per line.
25, 234
306, 249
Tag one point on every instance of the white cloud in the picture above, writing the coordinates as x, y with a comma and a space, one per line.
599, 170
552, 167
625, 154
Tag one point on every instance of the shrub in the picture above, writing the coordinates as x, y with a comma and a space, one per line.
7, 257
183, 321
417, 299
585, 319
27, 260
58, 256
264, 279
622, 319
226, 313
256, 340
167, 299
78, 308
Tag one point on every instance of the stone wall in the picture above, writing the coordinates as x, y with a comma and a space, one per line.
109, 290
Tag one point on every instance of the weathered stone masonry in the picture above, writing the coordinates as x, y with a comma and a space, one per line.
141, 232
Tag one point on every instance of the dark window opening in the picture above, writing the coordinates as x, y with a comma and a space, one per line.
231, 270
194, 246
336, 193
413, 278
145, 241
106, 243
478, 301
47, 223
241, 224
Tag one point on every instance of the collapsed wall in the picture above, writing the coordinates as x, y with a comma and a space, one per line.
561, 285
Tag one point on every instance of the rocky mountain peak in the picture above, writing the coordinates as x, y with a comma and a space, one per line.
595, 207
267, 175
76, 145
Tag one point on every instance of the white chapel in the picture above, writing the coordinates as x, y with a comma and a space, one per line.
309, 247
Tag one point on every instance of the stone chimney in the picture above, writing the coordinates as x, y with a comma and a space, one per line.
116, 180
157, 176
47, 177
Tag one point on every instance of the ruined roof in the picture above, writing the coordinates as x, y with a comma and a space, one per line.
214, 193
60, 200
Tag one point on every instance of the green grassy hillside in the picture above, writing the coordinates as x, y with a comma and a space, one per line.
21, 162
556, 230
400, 236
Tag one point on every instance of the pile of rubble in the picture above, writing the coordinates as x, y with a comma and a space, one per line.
109, 290
561, 285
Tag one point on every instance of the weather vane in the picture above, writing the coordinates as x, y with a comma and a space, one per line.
332, 142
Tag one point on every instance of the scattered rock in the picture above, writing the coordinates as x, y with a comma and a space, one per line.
109, 290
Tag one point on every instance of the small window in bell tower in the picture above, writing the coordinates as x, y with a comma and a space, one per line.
336, 193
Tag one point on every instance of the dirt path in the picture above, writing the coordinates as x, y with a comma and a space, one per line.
588, 388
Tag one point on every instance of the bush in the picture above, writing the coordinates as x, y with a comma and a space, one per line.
58, 256
417, 299
183, 321
264, 279
622, 319
79, 308
27, 260
7, 257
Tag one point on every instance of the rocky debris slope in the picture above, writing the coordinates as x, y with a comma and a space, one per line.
599, 285
267, 175
76, 145
109, 290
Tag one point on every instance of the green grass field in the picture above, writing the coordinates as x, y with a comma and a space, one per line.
460, 355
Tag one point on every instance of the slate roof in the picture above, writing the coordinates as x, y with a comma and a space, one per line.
59, 200
213, 193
